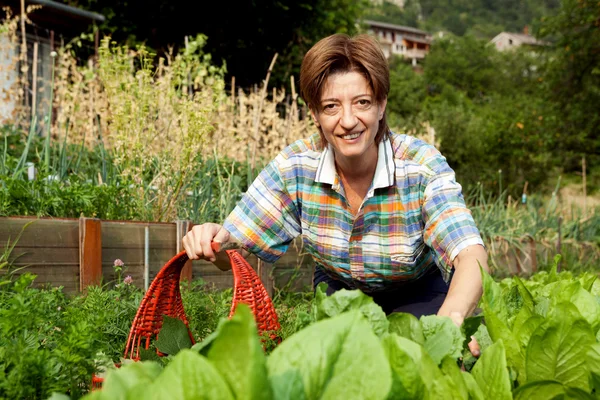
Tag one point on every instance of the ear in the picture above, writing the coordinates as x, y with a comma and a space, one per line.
382, 106
314, 117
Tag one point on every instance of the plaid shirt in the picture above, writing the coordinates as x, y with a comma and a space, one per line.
413, 217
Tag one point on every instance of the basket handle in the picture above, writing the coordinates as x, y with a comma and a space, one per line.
231, 245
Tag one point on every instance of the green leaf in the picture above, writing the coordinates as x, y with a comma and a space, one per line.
404, 357
149, 355
491, 373
587, 281
122, 383
558, 348
588, 306
406, 325
238, 356
190, 376
593, 366
540, 390
346, 300
444, 388
58, 396
473, 388
173, 337
499, 331
335, 358
524, 331
493, 298
442, 337
525, 294
451, 370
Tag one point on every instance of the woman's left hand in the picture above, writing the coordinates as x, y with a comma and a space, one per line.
458, 319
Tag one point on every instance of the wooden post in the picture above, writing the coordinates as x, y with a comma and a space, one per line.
264, 273
34, 71
183, 227
23, 55
559, 242
583, 168
96, 45
90, 252
533, 254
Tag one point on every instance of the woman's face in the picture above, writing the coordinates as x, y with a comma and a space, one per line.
349, 115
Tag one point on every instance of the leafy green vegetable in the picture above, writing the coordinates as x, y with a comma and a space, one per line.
547, 389
129, 379
406, 325
190, 376
491, 373
237, 354
404, 357
173, 336
345, 300
442, 337
559, 347
335, 358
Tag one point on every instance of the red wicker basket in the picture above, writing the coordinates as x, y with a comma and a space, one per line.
164, 298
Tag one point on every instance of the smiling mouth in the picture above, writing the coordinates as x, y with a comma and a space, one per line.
351, 136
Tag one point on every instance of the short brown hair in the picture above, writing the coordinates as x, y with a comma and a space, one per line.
342, 53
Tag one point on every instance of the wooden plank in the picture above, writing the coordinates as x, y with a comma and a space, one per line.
265, 274
41, 233
90, 252
47, 256
57, 275
119, 235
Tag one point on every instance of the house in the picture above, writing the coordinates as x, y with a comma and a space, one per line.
399, 3
404, 41
509, 40
50, 25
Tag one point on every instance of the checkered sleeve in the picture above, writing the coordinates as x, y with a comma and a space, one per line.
449, 226
265, 220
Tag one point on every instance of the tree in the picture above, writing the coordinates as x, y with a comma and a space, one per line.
243, 34
573, 78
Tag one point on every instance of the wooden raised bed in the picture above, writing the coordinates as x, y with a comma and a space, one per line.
76, 253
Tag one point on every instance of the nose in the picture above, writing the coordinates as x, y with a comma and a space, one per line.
348, 119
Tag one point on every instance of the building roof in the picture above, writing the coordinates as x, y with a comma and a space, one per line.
56, 16
403, 28
93, 16
521, 37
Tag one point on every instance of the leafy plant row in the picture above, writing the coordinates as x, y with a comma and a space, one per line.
538, 341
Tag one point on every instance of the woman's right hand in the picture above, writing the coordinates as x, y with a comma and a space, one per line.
197, 242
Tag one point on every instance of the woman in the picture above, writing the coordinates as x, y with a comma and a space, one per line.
377, 211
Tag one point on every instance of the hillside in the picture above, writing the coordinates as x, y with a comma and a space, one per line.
481, 18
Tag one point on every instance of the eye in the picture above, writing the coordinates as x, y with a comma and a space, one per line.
330, 107
364, 102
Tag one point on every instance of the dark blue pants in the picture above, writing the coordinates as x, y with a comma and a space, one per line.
421, 297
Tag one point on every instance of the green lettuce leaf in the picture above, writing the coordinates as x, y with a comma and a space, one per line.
404, 357
336, 358
593, 366
442, 337
547, 389
129, 381
558, 348
190, 376
406, 325
491, 373
238, 355
346, 300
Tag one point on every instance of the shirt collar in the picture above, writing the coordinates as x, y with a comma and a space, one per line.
384, 171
